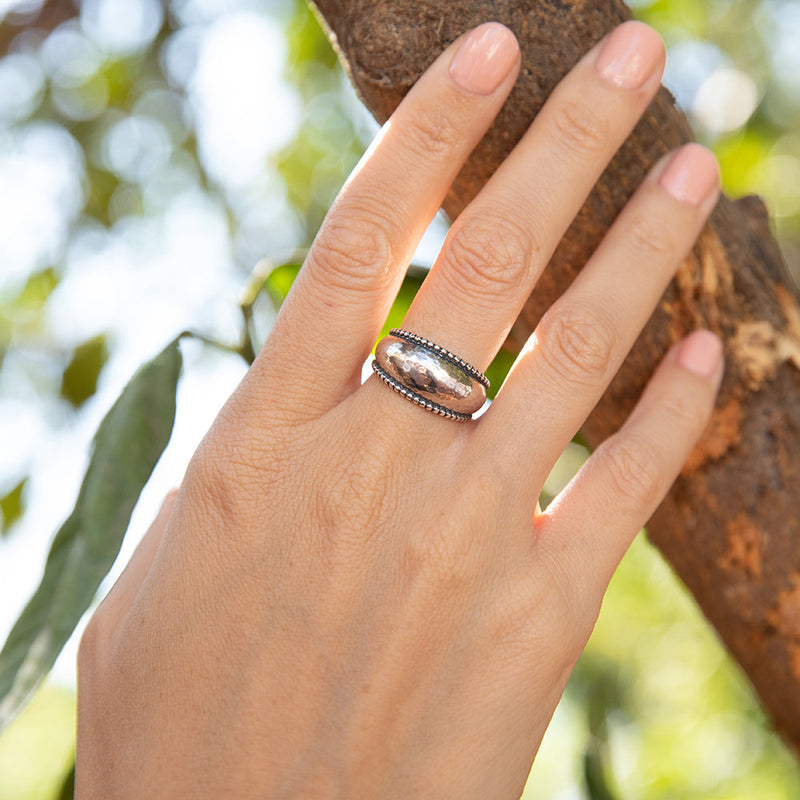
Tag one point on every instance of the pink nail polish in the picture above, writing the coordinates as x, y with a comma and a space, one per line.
630, 55
700, 353
692, 174
484, 58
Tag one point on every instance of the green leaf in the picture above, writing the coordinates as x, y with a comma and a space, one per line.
127, 446
79, 381
408, 291
498, 369
279, 281
12, 506
580, 439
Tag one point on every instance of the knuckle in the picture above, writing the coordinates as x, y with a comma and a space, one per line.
353, 249
207, 483
92, 647
87, 647
651, 239
542, 616
518, 627
560, 596
430, 134
684, 413
445, 563
353, 500
580, 129
445, 566
491, 251
221, 479
493, 479
577, 343
634, 470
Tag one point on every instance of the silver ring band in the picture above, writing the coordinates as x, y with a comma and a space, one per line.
429, 375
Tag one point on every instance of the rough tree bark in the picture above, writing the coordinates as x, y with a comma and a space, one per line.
730, 526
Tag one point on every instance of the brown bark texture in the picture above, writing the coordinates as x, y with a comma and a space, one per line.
43, 20
730, 526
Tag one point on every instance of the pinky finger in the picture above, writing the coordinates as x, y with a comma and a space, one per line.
590, 524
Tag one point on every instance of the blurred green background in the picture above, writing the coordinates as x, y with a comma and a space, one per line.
149, 159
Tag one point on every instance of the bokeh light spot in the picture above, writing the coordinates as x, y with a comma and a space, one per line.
122, 26
725, 100
21, 86
245, 110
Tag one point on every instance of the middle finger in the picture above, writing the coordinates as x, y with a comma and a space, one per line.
498, 247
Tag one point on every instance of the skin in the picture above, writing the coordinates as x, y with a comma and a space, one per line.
349, 597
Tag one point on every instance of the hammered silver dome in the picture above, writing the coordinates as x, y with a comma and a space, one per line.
430, 373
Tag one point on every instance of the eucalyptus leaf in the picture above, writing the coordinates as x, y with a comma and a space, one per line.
126, 448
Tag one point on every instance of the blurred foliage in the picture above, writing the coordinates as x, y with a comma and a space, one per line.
735, 67
12, 506
79, 379
312, 169
279, 281
655, 708
37, 751
21, 314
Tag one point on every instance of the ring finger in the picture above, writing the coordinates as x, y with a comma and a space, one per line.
583, 338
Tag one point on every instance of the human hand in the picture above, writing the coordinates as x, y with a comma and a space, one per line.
350, 597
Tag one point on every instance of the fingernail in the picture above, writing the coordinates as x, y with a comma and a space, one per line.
700, 353
484, 58
630, 55
692, 174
